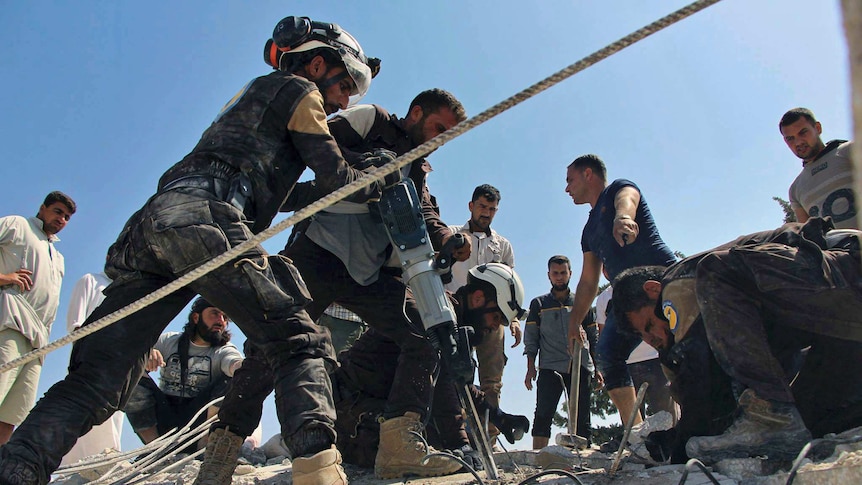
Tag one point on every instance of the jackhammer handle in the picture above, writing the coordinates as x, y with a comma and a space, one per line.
443, 261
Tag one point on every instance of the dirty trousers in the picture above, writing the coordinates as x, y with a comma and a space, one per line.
175, 232
385, 305
749, 294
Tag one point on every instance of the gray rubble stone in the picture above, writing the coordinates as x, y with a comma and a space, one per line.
743, 468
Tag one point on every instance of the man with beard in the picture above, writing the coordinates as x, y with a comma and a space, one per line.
196, 366
824, 188
487, 246
620, 233
545, 335
342, 253
227, 189
31, 272
492, 297
724, 322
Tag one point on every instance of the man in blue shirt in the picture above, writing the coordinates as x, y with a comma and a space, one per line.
620, 233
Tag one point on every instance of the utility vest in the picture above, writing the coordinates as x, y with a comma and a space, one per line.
250, 136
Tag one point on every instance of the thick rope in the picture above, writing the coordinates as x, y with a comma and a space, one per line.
366, 180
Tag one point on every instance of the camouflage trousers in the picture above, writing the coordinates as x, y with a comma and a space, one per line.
749, 296
386, 305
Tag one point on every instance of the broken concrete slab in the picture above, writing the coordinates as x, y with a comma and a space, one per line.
745, 468
591, 467
846, 468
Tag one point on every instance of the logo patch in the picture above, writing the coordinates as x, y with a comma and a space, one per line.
230, 104
669, 312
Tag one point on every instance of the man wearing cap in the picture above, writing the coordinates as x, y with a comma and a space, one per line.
196, 366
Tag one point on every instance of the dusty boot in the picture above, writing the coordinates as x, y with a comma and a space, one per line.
764, 428
323, 468
400, 452
220, 457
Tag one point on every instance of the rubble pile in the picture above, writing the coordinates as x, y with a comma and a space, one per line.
842, 465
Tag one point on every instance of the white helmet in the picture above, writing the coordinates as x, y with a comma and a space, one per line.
300, 34
510, 291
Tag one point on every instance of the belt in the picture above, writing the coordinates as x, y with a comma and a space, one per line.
216, 186
236, 192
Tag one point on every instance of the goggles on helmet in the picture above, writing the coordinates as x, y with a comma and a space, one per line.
300, 34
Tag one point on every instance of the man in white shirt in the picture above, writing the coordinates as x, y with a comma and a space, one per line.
488, 246
31, 271
86, 296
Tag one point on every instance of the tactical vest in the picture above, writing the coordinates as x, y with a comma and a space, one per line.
250, 135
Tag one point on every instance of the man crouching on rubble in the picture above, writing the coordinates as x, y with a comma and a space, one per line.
493, 296
732, 321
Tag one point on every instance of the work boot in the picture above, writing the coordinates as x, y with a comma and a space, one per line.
223, 447
401, 452
323, 468
765, 427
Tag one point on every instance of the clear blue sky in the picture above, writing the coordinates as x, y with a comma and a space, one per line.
98, 99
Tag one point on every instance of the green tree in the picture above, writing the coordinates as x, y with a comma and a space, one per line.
789, 215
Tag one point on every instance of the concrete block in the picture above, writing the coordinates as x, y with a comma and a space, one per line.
743, 468
659, 421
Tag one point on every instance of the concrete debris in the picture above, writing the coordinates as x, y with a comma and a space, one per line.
274, 447
590, 465
745, 468
659, 421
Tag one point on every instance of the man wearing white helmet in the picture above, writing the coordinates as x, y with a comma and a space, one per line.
487, 246
229, 187
342, 253
492, 297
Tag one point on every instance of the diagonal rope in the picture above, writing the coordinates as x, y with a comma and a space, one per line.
367, 179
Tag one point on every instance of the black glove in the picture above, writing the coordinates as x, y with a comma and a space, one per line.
455, 351
513, 426
445, 258
470, 457
378, 158
660, 444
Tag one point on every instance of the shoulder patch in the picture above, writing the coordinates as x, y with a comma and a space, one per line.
236, 97
679, 305
669, 313
309, 117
